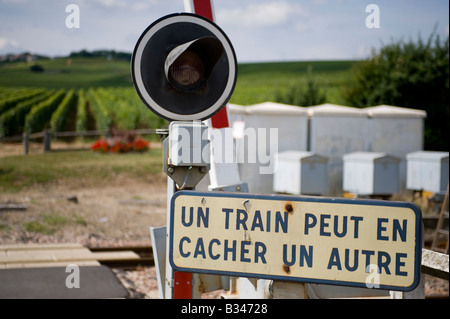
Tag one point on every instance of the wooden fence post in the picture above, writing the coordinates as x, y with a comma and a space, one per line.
25, 142
47, 140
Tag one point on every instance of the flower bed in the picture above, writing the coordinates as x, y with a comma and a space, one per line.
120, 145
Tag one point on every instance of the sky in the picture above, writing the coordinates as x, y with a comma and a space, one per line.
260, 30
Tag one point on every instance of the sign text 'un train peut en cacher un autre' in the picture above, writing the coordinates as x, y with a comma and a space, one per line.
360, 243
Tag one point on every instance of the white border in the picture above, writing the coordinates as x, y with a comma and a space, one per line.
140, 84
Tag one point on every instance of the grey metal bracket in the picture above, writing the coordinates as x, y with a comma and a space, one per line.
185, 177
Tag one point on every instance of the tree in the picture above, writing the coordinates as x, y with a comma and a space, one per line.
306, 94
37, 68
408, 74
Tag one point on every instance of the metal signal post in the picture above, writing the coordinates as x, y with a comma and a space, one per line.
184, 69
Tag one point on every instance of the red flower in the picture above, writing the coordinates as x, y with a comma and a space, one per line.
116, 148
120, 146
140, 145
100, 146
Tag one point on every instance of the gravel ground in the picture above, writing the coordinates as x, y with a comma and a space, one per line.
117, 214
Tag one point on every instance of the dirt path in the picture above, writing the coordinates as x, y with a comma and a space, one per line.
116, 213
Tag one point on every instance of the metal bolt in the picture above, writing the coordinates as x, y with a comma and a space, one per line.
171, 170
289, 208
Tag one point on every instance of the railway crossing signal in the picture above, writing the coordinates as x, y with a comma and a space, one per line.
184, 67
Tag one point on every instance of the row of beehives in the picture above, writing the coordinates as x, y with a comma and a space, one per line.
331, 131
364, 173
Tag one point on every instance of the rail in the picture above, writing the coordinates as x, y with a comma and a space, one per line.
145, 253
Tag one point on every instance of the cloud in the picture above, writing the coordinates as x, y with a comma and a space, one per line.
110, 5
142, 5
7, 45
261, 14
15, 1
135, 5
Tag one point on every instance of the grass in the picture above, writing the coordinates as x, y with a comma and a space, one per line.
46, 224
37, 227
21, 172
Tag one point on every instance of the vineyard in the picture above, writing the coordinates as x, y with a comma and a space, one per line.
94, 94
36, 109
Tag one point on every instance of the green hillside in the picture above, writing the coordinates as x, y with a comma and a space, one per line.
67, 73
257, 82
260, 82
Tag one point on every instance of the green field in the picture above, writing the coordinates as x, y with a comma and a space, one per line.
257, 82
67, 74
260, 82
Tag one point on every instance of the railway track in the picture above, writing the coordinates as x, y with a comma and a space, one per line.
145, 254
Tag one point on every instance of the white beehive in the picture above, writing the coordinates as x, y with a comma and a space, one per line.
371, 173
336, 130
394, 130
300, 172
427, 171
290, 122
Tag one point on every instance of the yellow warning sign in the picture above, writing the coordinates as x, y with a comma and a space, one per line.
363, 243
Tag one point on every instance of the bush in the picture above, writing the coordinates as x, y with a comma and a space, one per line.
13, 121
37, 68
306, 94
82, 119
408, 74
39, 116
60, 116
